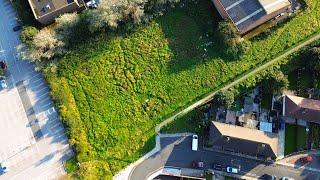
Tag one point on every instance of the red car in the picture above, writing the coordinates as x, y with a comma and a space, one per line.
305, 159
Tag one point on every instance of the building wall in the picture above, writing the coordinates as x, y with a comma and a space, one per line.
50, 17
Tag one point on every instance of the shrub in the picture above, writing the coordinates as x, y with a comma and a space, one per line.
27, 34
224, 98
275, 82
234, 45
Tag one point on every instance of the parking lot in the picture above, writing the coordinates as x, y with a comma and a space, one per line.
33, 143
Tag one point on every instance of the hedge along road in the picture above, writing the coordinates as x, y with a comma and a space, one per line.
238, 80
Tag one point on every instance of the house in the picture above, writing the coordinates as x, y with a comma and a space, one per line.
237, 139
45, 11
248, 14
299, 110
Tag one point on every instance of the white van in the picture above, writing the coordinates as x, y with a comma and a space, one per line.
194, 143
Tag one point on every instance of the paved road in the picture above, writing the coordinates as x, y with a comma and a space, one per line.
237, 81
176, 151
33, 142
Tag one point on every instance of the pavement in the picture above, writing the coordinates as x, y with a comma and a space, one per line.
33, 143
176, 152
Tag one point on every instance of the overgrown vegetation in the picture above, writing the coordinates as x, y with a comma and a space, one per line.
114, 88
295, 139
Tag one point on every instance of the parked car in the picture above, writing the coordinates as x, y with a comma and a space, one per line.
268, 177
3, 168
198, 164
3, 65
3, 84
194, 143
233, 170
217, 166
286, 178
17, 28
92, 4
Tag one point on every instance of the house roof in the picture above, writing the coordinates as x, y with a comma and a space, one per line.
302, 108
244, 13
43, 7
243, 139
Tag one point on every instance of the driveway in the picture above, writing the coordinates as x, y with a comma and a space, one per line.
33, 142
176, 152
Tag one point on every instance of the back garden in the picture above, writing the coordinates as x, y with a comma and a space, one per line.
114, 89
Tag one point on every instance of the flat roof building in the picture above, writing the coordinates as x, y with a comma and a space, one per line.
248, 14
45, 11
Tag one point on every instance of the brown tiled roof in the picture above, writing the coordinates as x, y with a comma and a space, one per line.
244, 140
302, 108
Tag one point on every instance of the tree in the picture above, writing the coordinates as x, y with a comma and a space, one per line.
45, 45
229, 37
65, 25
110, 14
312, 57
224, 98
28, 34
275, 82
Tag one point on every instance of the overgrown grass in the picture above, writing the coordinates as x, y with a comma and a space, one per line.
71, 165
186, 123
295, 139
113, 90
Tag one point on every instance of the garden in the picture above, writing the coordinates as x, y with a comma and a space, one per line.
114, 89
295, 138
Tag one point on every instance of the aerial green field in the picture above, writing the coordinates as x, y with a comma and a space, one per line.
113, 90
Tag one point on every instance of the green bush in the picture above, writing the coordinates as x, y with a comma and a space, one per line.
27, 34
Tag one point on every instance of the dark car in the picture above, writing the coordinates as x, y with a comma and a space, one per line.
17, 28
3, 65
268, 177
217, 166
198, 164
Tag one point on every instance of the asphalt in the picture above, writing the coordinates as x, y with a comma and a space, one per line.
34, 144
176, 152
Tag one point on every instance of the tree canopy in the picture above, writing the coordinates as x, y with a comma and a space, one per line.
224, 98
275, 82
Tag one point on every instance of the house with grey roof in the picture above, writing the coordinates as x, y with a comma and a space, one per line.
248, 14
242, 140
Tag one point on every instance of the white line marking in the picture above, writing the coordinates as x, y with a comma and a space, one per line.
234, 4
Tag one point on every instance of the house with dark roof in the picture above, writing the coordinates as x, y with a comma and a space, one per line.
301, 110
45, 11
237, 139
248, 14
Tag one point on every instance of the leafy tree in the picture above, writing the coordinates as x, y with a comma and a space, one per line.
45, 45
110, 14
275, 82
312, 57
66, 24
28, 34
233, 44
224, 98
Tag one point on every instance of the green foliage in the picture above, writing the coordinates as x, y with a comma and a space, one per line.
191, 122
312, 58
228, 35
224, 98
71, 165
113, 89
28, 34
275, 83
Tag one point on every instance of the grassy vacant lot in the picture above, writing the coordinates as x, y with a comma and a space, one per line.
113, 90
295, 138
